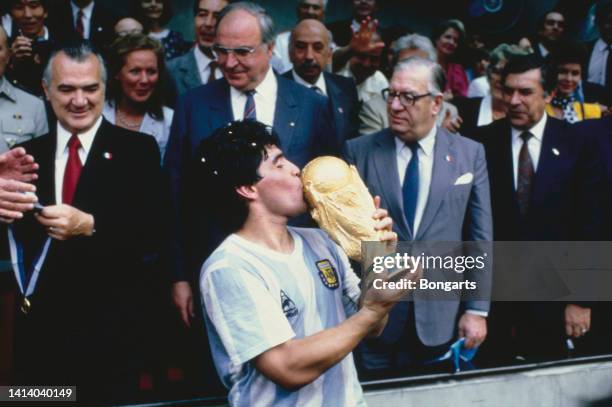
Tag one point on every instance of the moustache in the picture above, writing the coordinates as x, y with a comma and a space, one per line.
309, 64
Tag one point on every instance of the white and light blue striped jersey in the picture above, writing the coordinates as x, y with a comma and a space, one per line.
255, 299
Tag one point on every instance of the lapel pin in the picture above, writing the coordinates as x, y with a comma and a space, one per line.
108, 155
555, 151
341, 110
291, 124
99, 29
449, 158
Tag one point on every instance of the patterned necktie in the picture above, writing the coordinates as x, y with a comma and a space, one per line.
80, 28
213, 68
410, 188
317, 89
525, 175
249, 106
73, 170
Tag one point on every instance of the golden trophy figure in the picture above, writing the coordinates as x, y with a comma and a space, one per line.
340, 203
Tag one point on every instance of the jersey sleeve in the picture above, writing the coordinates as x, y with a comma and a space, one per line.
246, 316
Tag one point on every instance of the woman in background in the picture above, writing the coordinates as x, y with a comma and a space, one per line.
567, 103
135, 98
154, 15
447, 37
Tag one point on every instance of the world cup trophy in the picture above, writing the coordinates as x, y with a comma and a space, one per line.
340, 203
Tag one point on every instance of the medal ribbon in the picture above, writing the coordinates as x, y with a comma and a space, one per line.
26, 287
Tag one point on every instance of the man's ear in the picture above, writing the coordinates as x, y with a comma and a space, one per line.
248, 192
437, 104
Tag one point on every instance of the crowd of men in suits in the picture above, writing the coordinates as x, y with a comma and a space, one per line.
98, 232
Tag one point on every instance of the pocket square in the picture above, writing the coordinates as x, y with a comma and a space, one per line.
465, 179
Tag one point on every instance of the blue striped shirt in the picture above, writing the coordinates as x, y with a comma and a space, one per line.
256, 298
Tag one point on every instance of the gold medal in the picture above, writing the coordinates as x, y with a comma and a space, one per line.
26, 305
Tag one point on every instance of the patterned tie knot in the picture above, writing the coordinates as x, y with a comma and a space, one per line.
80, 13
249, 92
526, 136
74, 143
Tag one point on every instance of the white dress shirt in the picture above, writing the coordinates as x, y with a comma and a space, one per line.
479, 87
598, 62
281, 50
403, 155
160, 35
203, 63
485, 112
61, 153
7, 23
534, 145
87, 12
265, 100
372, 85
320, 83
543, 51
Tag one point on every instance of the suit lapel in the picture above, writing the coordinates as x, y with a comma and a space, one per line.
286, 114
385, 164
335, 98
100, 153
548, 161
444, 168
191, 76
220, 105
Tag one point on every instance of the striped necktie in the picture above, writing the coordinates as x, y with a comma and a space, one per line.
249, 106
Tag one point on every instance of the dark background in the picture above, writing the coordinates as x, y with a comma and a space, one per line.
515, 18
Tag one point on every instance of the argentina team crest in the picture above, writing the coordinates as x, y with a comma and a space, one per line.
328, 274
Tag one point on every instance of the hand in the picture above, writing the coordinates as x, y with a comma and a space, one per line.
473, 328
17, 165
64, 221
13, 200
577, 320
452, 124
21, 48
384, 224
361, 41
183, 300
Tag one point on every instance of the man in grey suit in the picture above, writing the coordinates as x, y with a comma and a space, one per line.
199, 65
436, 188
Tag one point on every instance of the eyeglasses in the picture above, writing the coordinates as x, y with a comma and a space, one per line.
239, 52
406, 99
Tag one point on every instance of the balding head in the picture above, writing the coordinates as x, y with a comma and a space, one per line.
5, 52
309, 49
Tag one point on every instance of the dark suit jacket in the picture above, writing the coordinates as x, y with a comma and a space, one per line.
469, 109
103, 22
89, 298
458, 208
344, 103
302, 121
600, 132
563, 205
184, 72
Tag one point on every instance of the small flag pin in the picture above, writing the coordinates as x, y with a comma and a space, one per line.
555, 151
108, 155
341, 110
449, 158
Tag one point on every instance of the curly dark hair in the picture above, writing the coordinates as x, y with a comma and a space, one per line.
120, 49
226, 160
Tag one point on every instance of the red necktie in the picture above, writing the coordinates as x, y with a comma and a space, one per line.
73, 170
80, 28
